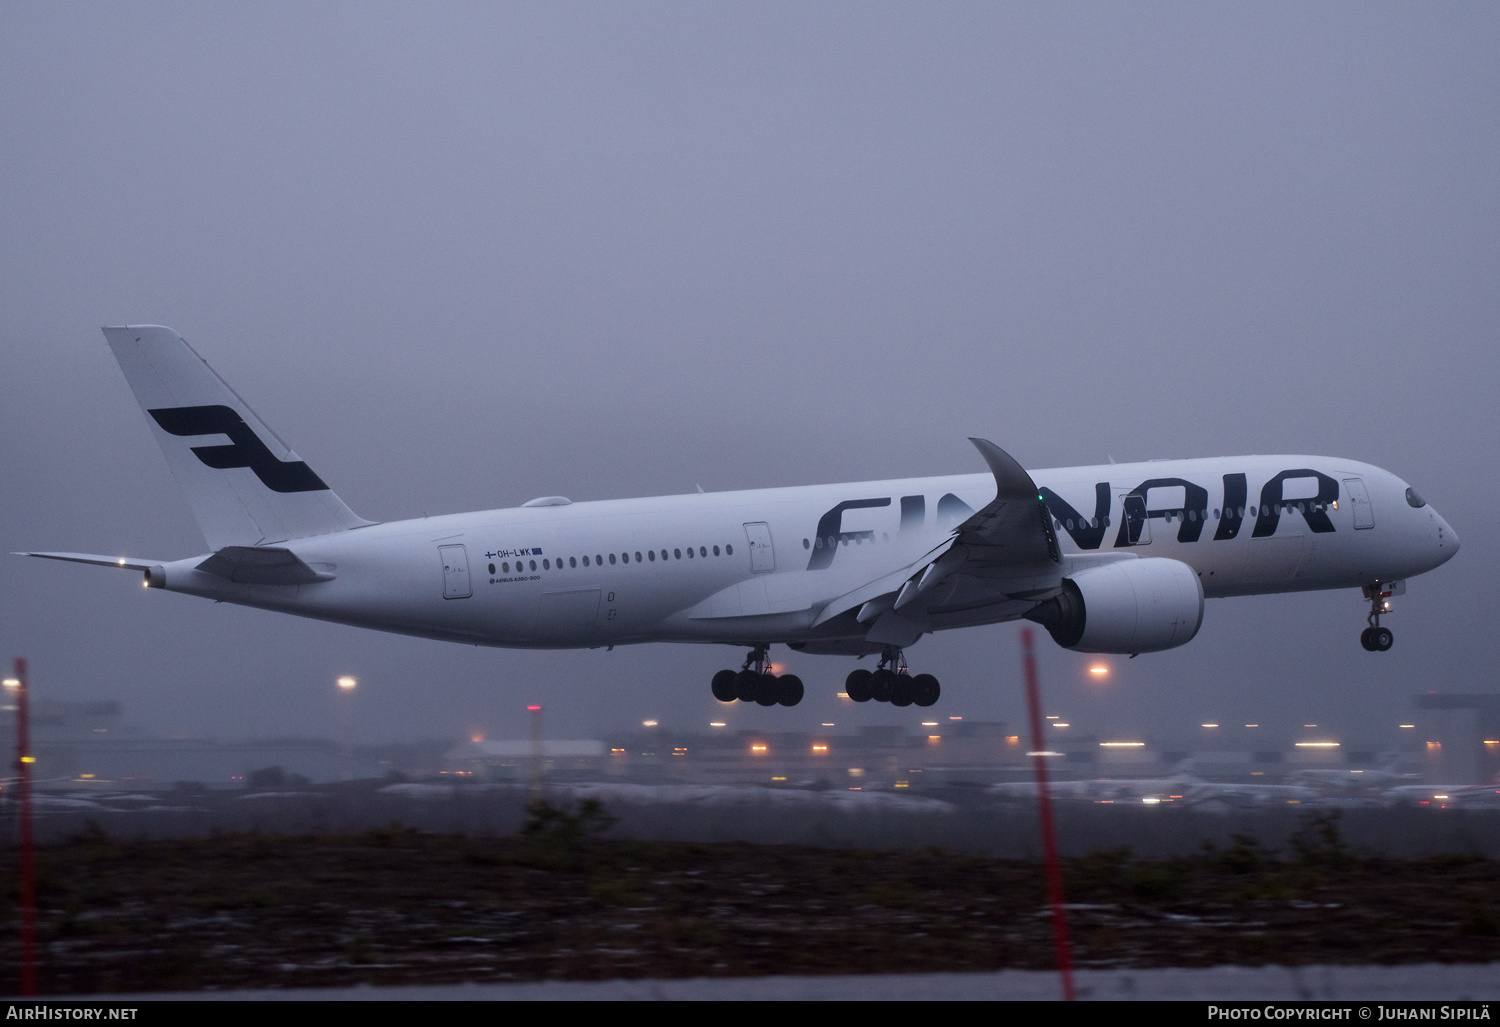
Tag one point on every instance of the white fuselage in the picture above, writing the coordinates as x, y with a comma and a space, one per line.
759, 566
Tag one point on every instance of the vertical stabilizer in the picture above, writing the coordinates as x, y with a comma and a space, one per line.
246, 487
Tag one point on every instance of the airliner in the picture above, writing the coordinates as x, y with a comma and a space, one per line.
1116, 558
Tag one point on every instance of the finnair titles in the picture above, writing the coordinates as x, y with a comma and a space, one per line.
1109, 559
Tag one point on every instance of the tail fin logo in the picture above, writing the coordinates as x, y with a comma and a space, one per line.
245, 448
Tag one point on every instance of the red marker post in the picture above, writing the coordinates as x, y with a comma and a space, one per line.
1044, 808
24, 760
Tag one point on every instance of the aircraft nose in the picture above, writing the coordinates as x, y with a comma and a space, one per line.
1447, 538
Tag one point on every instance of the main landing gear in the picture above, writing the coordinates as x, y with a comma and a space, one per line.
756, 684
1375, 638
891, 682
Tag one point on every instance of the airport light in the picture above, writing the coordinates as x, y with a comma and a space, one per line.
346, 686
1122, 745
1214, 725
1317, 745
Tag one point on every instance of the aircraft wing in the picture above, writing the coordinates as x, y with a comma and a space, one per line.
1010, 538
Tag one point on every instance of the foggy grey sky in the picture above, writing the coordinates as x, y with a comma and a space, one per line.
462, 255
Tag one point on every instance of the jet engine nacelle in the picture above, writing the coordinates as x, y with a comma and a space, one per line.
1134, 606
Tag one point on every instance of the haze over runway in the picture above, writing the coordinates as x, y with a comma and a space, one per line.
460, 256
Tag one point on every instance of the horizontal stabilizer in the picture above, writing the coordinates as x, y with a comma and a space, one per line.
264, 565
100, 561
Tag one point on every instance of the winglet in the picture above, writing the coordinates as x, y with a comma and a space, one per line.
1017, 518
1010, 477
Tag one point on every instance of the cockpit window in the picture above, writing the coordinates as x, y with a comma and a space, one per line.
1414, 500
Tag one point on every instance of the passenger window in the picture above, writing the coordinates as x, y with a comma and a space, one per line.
653, 555
505, 567
637, 557
492, 568
716, 550
611, 557
728, 550
703, 551
546, 565
677, 553
585, 561
573, 561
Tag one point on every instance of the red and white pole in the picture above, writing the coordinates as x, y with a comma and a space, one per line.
24, 760
1044, 808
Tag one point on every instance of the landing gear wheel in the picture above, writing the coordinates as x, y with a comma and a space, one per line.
925, 690
790, 691
882, 683
1381, 639
746, 682
901, 691
723, 686
857, 685
1364, 639
768, 691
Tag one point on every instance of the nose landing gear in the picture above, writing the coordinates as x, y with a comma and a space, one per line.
755, 683
1377, 639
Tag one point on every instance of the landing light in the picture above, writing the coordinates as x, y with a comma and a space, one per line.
648, 723
1122, 745
1099, 670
